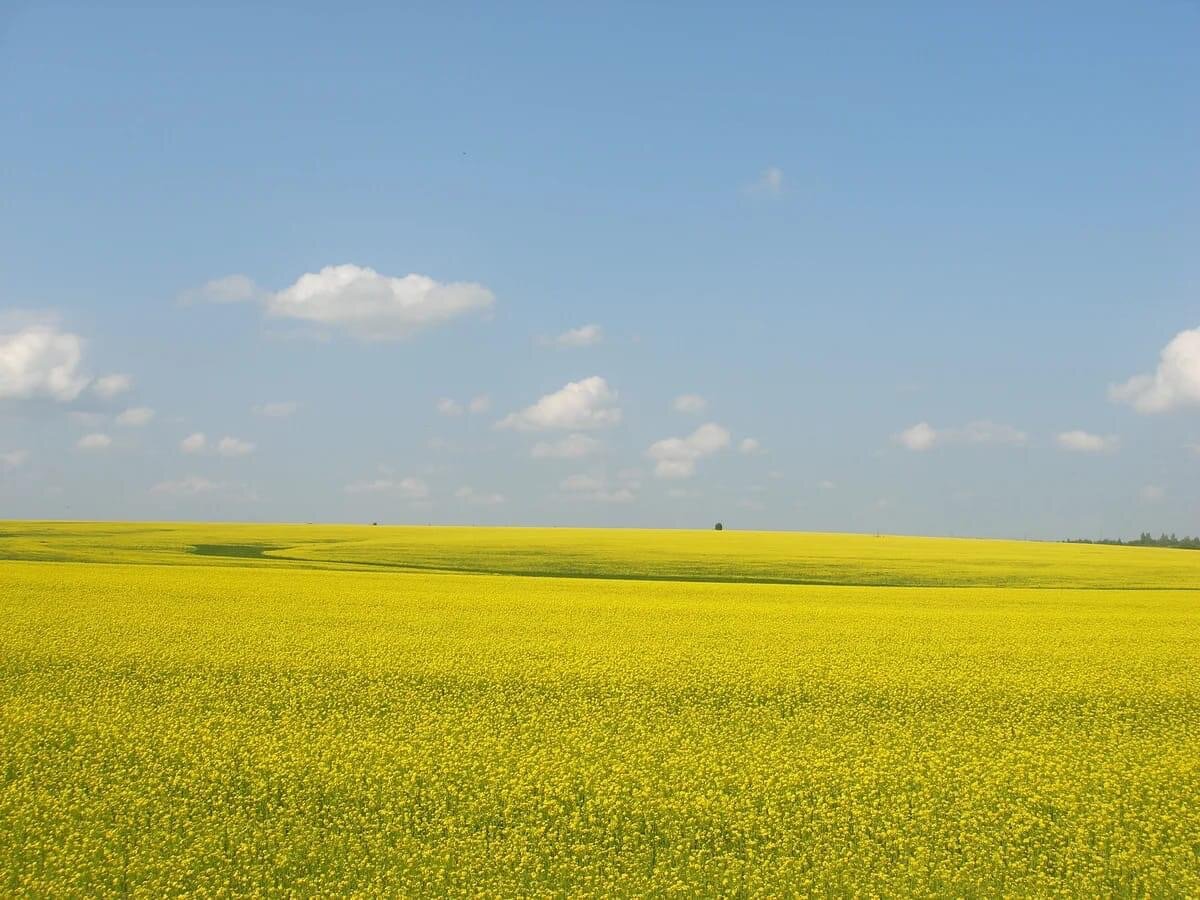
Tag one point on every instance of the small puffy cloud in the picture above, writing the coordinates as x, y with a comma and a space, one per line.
371, 306
826, 485
918, 437
41, 362
573, 446
447, 407
136, 416
480, 404
194, 443
1175, 383
278, 410
1152, 493
109, 386
94, 441
750, 447
583, 336
769, 182
923, 436
578, 406
13, 459
409, 488
1078, 441
230, 289
468, 494
677, 457
231, 446
693, 404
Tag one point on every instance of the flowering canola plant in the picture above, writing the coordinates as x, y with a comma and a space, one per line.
279, 710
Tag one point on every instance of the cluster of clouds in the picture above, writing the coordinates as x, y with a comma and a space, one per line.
198, 442
42, 362
923, 436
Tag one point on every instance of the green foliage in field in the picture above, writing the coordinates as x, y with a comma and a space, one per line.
306, 711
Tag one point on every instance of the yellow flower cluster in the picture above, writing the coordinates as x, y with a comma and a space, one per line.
274, 711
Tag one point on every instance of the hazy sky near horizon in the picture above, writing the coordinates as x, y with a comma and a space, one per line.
924, 268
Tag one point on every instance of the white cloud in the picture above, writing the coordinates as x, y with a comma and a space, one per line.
194, 443
769, 182
448, 407
690, 403
13, 459
109, 386
40, 361
1084, 442
371, 306
1175, 383
677, 457
279, 410
188, 486
573, 446
231, 446
230, 289
136, 416
826, 485
918, 437
923, 436
583, 336
751, 447
94, 441
578, 406
1152, 493
468, 494
479, 404
409, 488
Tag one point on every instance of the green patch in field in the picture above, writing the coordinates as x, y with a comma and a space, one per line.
241, 551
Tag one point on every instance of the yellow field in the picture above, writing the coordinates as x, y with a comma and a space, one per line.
338, 710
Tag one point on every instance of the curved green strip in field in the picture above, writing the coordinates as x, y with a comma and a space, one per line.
694, 556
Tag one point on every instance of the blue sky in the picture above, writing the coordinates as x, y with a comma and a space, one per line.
914, 261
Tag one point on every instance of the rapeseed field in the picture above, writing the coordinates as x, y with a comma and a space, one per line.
226, 710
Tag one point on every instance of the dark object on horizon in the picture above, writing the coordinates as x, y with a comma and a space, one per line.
374, 523
718, 527
1145, 539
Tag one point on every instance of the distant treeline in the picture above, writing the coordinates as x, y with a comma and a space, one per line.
1146, 539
